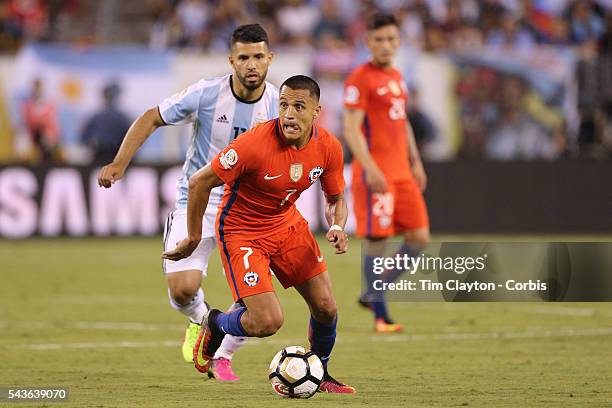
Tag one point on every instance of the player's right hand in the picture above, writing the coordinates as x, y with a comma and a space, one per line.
376, 181
183, 250
338, 239
109, 174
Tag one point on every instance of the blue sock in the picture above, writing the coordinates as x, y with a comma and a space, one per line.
322, 338
380, 309
369, 277
376, 299
229, 322
392, 274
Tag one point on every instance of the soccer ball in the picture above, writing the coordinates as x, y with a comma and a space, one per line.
295, 372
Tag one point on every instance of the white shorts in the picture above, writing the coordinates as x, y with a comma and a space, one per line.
175, 231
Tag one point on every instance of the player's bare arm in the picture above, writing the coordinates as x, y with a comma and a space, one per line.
200, 185
353, 119
336, 214
415, 159
136, 135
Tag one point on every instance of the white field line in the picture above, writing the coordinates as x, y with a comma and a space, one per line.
139, 344
498, 335
563, 311
117, 344
128, 326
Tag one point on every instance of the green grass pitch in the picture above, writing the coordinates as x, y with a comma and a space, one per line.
93, 315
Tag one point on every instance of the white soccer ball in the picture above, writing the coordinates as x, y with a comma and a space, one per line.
295, 372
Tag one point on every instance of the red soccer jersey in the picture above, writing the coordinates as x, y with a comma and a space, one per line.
382, 95
264, 176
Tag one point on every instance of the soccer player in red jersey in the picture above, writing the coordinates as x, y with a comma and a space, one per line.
388, 176
259, 228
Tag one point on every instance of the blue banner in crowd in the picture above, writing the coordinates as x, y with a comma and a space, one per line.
75, 83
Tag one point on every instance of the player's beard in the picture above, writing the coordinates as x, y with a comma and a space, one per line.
251, 86
384, 61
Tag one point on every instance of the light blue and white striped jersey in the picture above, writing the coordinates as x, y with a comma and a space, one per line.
218, 116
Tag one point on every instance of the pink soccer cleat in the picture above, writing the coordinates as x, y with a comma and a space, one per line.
221, 370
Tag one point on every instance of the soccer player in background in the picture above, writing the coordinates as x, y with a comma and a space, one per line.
388, 176
259, 228
220, 110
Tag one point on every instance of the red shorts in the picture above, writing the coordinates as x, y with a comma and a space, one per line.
293, 255
401, 208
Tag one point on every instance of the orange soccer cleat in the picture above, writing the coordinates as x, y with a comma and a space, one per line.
208, 342
383, 325
330, 384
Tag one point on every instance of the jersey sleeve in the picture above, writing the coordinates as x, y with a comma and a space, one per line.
182, 107
332, 179
356, 91
235, 160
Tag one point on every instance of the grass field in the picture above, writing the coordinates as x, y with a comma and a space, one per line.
93, 315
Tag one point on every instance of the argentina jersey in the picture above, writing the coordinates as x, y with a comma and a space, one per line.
218, 116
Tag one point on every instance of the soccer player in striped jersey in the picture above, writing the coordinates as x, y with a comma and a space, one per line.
220, 109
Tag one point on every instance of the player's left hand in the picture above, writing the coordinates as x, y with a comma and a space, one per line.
183, 250
419, 175
338, 239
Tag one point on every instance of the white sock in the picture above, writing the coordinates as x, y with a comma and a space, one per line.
229, 346
194, 310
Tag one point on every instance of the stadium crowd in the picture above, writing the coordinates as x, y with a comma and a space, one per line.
496, 117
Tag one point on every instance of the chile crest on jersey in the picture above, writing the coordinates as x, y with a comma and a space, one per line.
295, 172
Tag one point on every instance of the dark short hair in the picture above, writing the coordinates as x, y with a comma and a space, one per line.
249, 33
303, 82
379, 20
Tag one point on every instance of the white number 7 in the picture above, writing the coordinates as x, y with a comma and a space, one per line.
245, 258
289, 192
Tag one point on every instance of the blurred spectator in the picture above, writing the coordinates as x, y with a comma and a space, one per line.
588, 135
330, 22
105, 130
298, 19
604, 62
605, 130
517, 136
357, 27
462, 33
510, 34
194, 16
411, 21
166, 31
31, 16
62, 14
595, 134
476, 90
453, 20
584, 23
547, 27
228, 15
422, 126
10, 30
33, 20
40, 117
490, 15
435, 40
